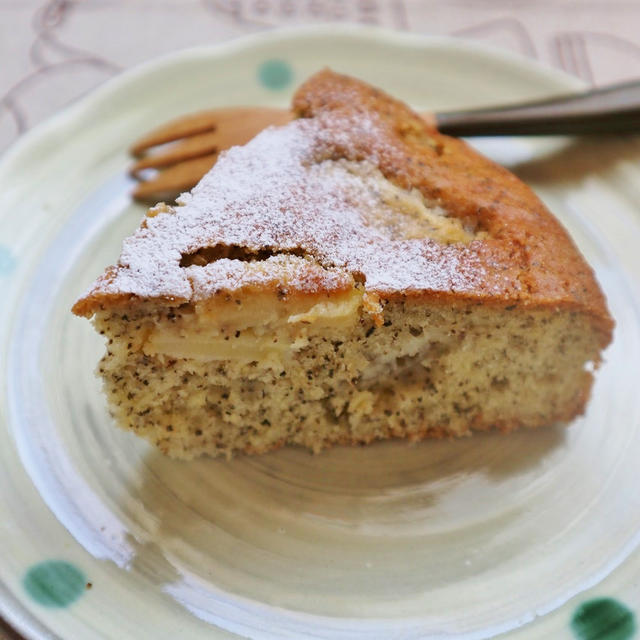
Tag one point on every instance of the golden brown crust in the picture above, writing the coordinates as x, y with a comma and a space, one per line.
521, 232
523, 256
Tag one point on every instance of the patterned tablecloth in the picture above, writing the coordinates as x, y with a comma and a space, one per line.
53, 52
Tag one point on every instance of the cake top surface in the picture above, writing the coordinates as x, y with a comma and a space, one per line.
357, 188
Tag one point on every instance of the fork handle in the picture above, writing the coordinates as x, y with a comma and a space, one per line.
613, 109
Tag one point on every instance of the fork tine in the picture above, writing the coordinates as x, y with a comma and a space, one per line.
174, 180
181, 127
193, 147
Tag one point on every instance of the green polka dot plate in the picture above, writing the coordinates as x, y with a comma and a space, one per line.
534, 535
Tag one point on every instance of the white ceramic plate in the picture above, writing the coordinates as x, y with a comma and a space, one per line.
533, 535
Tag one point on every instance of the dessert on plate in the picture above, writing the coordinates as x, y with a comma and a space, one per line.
348, 277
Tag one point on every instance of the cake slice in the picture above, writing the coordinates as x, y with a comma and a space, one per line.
351, 276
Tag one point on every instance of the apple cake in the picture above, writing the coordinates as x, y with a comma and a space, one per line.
351, 276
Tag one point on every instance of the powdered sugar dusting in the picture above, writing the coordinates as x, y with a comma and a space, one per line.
286, 190
281, 271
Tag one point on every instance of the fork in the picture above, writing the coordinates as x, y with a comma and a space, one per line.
181, 151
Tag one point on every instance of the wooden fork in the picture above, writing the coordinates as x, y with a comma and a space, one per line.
180, 152
201, 136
